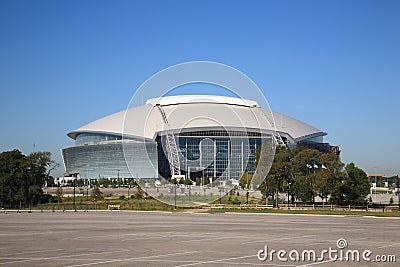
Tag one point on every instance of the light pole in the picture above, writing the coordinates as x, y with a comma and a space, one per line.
247, 193
288, 195
176, 184
2, 195
398, 190
74, 176
315, 167
376, 185
73, 183
202, 179
190, 186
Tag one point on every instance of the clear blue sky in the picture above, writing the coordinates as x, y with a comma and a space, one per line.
332, 64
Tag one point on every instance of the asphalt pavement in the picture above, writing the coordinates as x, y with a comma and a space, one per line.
122, 238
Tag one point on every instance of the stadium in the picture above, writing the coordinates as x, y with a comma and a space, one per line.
190, 136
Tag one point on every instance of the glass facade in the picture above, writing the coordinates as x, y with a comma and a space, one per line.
104, 160
95, 138
214, 154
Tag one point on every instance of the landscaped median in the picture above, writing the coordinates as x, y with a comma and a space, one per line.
150, 204
389, 211
371, 210
143, 202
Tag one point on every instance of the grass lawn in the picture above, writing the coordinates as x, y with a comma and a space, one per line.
150, 204
311, 212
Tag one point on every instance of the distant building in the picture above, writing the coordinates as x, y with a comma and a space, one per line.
377, 179
64, 180
378, 176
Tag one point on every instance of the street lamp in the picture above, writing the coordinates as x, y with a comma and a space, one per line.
312, 167
220, 195
74, 193
176, 184
288, 195
2, 196
74, 176
190, 186
398, 190
376, 185
247, 193
202, 179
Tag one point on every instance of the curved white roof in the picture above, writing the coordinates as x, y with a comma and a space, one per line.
186, 99
197, 113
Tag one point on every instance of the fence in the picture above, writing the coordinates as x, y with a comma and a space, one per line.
110, 206
55, 207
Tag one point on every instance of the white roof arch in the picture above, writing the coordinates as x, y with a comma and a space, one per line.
197, 112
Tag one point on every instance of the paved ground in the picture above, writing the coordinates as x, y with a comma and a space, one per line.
184, 239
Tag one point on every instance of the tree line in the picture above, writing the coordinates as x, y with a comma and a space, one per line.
23, 177
303, 174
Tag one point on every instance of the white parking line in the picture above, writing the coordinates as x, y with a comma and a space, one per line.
278, 239
133, 259
57, 257
391, 245
317, 263
216, 261
102, 236
34, 251
163, 236
213, 238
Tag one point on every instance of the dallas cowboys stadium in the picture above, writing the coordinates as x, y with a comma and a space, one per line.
189, 135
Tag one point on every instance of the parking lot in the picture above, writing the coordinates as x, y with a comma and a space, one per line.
120, 238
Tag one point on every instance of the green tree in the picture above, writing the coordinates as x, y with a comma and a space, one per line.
105, 182
35, 194
79, 182
22, 177
310, 173
354, 187
187, 182
280, 174
306, 164
329, 175
59, 194
12, 190
245, 180
50, 181
139, 193
97, 194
